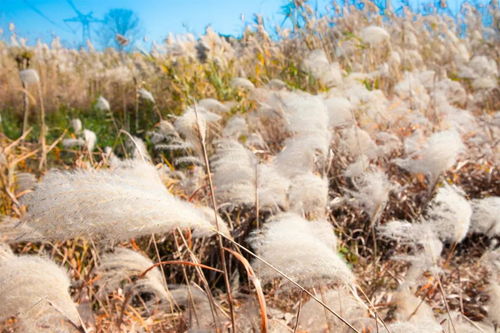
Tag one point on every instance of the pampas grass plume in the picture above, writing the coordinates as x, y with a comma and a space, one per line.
5, 252
121, 267
242, 83
291, 244
486, 216
450, 214
308, 195
374, 35
339, 112
439, 155
234, 172
146, 95
35, 290
372, 192
357, 141
272, 187
29, 76
349, 307
316, 63
494, 303
72, 143
213, 105
77, 126
423, 239
90, 139
117, 204
102, 104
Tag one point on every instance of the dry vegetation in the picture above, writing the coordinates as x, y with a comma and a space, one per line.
342, 178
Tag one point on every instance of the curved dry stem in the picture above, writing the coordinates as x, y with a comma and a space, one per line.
291, 281
258, 289
219, 238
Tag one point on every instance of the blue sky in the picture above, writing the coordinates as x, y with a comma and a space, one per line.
159, 17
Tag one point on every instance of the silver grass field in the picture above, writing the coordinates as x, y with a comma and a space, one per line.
343, 177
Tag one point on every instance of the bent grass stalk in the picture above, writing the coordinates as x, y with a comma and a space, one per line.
43, 129
26, 106
268, 264
212, 303
190, 294
214, 204
258, 289
297, 318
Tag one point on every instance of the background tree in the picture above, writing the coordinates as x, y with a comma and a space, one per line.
294, 12
121, 29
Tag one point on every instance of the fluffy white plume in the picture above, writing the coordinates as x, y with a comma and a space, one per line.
291, 244
412, 309
494, 303
374, 35
72, 143
486, 216
412, 90
387, 142
102, 104
35, 290
209, 215
235, 127
339, 112
301, 154
450, 214
86, 137
276, 84
234, 173
358, 142
146, 95
193, 160
409, 327
306, 114
479, 67
90, 139
117, 204
341, 300
421, 236
5, 252
440, 154
29, 76
195, 121
76, 124
320, 68
242, 83
484, 83
493, 262
372, 192
138, 148
213, 105
357, 168
272, 187
121, 268
308, 195
164, 130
